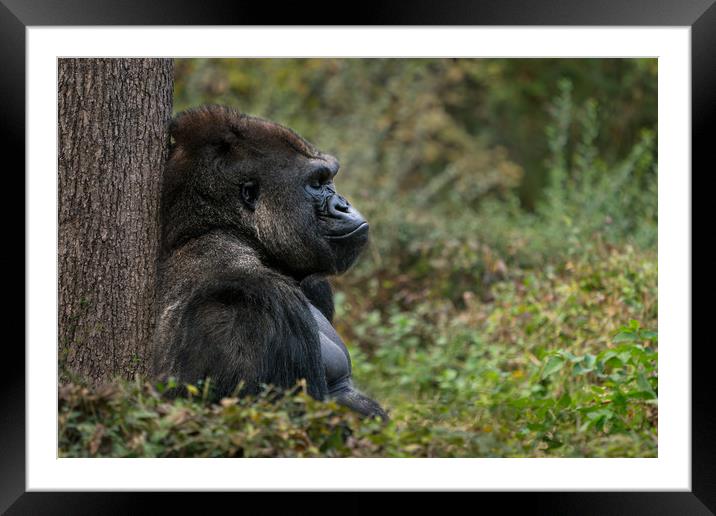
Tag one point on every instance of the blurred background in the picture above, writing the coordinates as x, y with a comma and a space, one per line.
507, 304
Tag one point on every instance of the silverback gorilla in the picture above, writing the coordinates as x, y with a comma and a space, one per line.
251, 224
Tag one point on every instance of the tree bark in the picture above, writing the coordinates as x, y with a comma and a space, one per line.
113, 141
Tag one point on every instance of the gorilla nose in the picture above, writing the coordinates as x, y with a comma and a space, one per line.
340, 205
347, 221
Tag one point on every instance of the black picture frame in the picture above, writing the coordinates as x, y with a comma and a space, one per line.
700, 15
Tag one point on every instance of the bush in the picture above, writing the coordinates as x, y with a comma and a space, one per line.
134, 420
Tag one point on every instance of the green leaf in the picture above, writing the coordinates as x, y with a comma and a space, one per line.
624, 336
642, 395
565, 401
554, 364
644, 384
571, 357
552, 444
648, 335
614, 362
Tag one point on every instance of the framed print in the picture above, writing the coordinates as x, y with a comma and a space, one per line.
517, 281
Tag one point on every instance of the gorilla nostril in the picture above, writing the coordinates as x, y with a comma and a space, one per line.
340, 204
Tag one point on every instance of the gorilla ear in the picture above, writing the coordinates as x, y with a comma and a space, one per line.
250, 194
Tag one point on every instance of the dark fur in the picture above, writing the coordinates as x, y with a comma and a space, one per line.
319, 292
236, 279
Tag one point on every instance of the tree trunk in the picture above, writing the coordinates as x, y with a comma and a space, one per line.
113, 141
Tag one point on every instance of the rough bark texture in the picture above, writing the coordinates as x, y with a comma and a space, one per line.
113, 122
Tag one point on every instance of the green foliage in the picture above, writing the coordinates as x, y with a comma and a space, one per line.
619, 201
135, 420
507, 306
547, 363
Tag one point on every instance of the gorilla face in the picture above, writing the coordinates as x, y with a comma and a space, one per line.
340, 224
306, 225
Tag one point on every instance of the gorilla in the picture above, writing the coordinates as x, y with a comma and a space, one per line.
251, 225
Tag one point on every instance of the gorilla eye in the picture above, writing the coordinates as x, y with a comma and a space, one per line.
320, 178
315, 184
250, 193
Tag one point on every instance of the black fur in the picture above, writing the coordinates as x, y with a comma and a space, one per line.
319, 292
251, 225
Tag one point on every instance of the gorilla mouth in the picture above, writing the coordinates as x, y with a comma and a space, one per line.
361, 229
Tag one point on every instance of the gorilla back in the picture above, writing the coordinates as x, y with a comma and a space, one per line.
251, 224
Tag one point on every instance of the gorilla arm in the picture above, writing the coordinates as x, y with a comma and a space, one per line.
319, 292
252, 330
337, 362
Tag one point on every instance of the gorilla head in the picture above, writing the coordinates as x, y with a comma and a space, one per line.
263, 183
